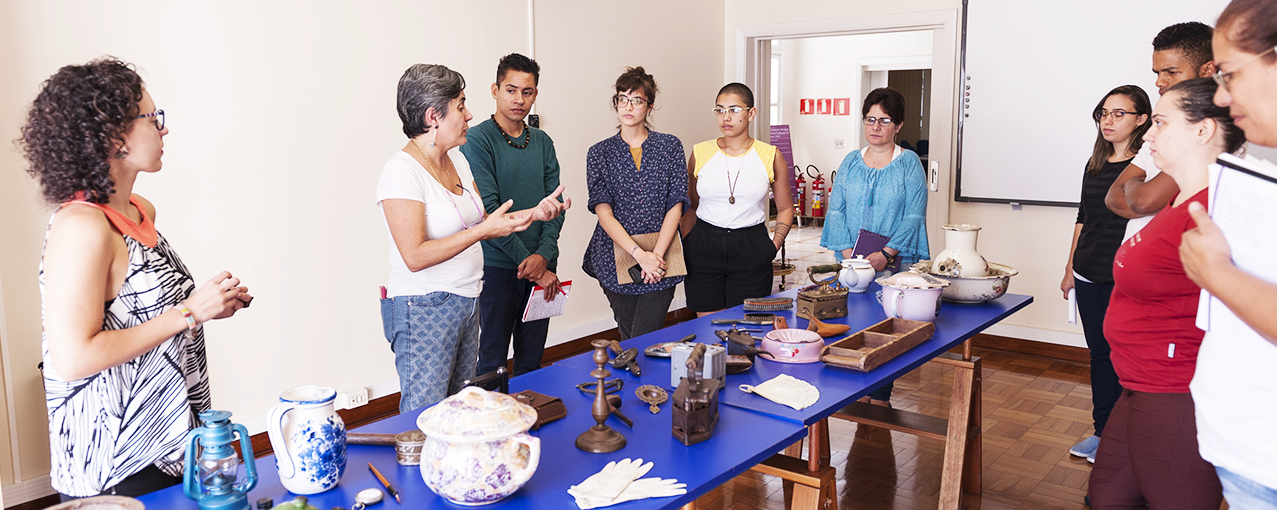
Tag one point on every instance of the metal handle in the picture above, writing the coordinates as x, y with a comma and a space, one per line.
827, 268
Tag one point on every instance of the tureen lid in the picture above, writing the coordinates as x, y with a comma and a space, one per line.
912, 279
475, 414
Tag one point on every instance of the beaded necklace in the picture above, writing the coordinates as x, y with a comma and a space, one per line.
511, 140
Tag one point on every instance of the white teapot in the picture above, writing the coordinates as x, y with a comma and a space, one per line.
477, 447
856, 274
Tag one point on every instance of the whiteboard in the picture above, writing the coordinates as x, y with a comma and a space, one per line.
1034, 71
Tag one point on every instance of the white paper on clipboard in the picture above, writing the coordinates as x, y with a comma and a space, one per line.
538, 308
1242, 206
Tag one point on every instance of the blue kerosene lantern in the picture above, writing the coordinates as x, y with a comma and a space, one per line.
212, 467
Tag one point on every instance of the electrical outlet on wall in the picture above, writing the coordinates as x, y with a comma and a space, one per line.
352, 398
837, 143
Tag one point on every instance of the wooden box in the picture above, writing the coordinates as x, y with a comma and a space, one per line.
868, 348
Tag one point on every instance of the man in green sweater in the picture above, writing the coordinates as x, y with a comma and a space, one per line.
512, 161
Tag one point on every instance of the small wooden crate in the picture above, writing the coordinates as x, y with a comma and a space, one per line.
869, 348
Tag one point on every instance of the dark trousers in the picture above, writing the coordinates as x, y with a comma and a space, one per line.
1092, 303
1148, 456
641, 314
726, 266
141, 483
501, 306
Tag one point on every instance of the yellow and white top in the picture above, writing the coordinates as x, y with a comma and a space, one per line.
733, 190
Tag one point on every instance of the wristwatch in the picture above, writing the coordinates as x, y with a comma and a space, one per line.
890, 258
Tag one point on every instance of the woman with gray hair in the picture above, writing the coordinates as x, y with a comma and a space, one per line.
435, 220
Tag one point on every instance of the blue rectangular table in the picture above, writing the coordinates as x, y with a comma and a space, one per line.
744, 439
840, 388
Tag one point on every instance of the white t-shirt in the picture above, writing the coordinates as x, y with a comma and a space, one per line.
1144, 160
404, 178
720, 177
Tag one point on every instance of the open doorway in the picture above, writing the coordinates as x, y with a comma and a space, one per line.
840, 60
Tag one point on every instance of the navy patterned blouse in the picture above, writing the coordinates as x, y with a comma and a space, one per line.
639, 199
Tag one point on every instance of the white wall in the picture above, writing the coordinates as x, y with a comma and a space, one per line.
281, 117
827, 67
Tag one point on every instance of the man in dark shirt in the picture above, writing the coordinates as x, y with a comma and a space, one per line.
513, 161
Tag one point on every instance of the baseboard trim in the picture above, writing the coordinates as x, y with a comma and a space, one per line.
1035, 348
27, 491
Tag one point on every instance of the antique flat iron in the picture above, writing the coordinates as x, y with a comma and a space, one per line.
824, 301
695, 402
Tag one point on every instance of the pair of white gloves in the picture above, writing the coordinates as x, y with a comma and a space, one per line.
619, 482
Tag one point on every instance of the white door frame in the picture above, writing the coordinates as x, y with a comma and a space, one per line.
752, 43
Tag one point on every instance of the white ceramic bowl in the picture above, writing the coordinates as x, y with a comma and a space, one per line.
976, 289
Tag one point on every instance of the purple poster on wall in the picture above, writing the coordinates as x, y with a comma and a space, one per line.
781, 139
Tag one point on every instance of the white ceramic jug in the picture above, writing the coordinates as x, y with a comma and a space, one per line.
959, 257
856, 274
309, 439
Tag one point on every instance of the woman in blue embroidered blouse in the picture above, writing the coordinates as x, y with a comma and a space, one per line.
881, 188
638, 185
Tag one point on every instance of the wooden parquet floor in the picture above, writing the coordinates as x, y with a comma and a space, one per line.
1035, 408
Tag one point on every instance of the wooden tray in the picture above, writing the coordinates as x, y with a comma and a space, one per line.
869, 348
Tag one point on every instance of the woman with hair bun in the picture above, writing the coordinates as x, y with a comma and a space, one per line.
125, 371
1148, 454
638, 185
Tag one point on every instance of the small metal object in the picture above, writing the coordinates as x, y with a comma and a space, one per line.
265, 504
367, 497
824, 301
734, 321
600, 438
626, 359
695, 402
662, 350
653, 395
609, 387
614, 401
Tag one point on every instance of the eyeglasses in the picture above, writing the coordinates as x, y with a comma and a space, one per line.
1117, 115
159, 118
882, 121
736, 110
1224, 78
621, 101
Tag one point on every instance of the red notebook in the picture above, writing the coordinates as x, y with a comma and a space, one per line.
868, 242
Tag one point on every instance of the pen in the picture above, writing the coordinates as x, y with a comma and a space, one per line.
389, 488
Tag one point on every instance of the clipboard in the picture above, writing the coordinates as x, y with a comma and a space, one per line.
868, 242
674, 265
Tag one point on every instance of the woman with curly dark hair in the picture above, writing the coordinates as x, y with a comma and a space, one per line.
125, 372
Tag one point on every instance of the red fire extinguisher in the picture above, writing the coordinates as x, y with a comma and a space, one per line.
817, 193
802, 192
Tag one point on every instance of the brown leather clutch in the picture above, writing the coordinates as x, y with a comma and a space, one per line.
548, 408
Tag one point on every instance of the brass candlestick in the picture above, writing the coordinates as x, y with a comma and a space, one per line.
600, 438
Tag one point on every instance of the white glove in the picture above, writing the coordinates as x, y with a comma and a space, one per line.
610, 481
596, 491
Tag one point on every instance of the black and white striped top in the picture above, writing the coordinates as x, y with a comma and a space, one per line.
110, 425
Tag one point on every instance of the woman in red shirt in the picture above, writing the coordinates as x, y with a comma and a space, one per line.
1149, 452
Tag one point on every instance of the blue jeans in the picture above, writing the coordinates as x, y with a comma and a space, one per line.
1245, 494
435, 338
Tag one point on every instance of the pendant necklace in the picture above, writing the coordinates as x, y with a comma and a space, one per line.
452, 196
731, 182
511, 140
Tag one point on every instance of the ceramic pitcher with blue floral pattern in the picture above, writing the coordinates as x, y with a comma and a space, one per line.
309, 439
